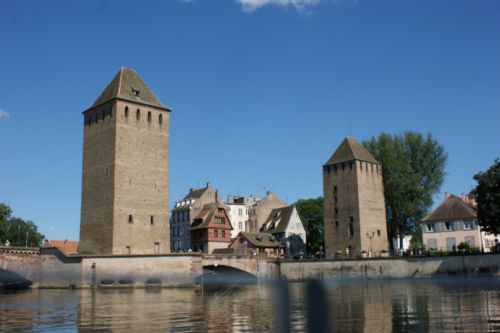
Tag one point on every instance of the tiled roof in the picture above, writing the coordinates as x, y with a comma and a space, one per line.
195, 193
202, 220
349, 150
278, 220
260, 239
127, 85
452, 208
65, 246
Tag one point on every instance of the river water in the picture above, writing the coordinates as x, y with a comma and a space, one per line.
425, 305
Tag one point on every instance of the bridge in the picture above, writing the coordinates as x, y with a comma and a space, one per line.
50, 267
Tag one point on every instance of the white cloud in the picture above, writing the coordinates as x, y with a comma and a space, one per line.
300, 5
4, 115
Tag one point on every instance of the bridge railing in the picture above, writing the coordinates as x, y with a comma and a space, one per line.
19, 250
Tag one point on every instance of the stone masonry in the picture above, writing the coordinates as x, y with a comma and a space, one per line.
125, 181
355, 217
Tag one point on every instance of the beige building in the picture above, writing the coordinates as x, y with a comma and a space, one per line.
260, 211
184, 213
354, 204
125, 181
452, 222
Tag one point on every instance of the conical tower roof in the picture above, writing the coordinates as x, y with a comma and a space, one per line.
349, 150
128, 86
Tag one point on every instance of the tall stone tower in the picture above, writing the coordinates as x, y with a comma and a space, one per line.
125, 181
354, 202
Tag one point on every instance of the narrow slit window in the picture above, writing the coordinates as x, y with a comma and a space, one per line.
149, 117
130, 219
138, 114
152, 220
126, 112
160, 119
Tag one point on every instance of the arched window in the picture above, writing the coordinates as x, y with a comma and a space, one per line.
149, 117
138, 114
160, 119
126, 112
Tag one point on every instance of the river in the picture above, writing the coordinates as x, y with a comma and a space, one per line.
424, 305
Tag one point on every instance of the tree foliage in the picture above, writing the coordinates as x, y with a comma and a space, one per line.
16, 230
311, 214
487, 194
413, 170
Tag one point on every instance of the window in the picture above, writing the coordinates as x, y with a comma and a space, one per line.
223, 233
160, 119
126, 112
378, 232
103, 114
351, 219
430, 227
149, 116
138, 114
219, 220
337, 224
110, 113
157, 247
216, 233
335, 168
151, 220
350, 165
432, 244
350, 230
240, 225
468, 225
450, 243
470, 241
128, 249
130, 219
136, 92
96, 117
240, 212
89, 121
336, 199
448, 226
335, 189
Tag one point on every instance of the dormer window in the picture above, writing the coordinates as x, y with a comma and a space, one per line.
136, 92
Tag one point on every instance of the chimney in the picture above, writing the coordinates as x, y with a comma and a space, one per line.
216, 194
446, 195
268, 193
208, 184
230, 199
191, 189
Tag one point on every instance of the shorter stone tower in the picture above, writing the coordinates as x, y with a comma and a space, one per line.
355, 218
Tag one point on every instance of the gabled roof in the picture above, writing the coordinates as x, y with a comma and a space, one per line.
350, 150
278, 220
202, 220
128, 86
260, 239
195, 193
64, 245
452, 208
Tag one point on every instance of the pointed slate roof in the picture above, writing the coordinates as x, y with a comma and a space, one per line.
349, 150
452, 208
128, 86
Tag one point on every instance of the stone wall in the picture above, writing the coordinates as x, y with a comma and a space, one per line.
422, 267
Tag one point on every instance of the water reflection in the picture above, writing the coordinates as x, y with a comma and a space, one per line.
355, 306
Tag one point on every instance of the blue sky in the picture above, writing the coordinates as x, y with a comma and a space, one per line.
262, 92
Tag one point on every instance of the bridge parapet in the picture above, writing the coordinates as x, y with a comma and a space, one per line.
20, 250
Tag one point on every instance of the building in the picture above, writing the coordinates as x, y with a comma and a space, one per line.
66, 246
125, 181
262, 242
285, 225
211, 228
260, 211
452, 222
354, 204
184, 213
240, 208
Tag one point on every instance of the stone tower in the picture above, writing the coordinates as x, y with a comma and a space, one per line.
354, 202
125, 181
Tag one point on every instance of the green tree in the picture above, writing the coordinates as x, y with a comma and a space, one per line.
487, 194
311, 214
413, 170
16, 230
